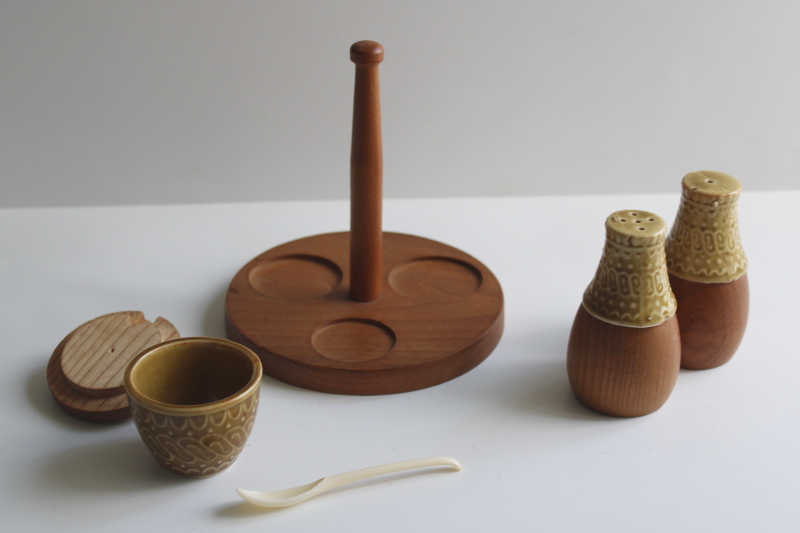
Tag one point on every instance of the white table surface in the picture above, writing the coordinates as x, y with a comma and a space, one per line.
721, 455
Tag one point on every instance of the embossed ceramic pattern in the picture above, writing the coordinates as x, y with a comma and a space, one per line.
704, 244
631, 286
197, 446
196, 439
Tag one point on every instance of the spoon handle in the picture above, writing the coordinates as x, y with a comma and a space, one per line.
338, 480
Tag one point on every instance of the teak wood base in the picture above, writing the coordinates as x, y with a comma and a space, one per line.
439, 315
712, 318
622, 371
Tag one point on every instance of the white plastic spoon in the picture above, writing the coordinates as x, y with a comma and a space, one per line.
287, 497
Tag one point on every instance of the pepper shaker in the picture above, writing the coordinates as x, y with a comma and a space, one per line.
623, 356
708, 270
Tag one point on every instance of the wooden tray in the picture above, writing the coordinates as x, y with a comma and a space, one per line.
439, 316
366, 312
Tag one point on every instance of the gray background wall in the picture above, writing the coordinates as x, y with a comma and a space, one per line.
143, 102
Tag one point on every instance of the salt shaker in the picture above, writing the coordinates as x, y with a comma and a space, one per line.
623, 356
708, 270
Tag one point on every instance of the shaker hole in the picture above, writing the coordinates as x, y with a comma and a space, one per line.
638, 221
651, 219
623, 220
641, 229
709, 181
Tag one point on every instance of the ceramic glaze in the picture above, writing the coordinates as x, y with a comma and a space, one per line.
704, 244
631, 287
200, 445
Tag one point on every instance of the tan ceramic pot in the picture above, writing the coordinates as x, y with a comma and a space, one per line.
194, 401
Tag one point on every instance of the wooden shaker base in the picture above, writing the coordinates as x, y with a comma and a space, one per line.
712, 318
622, 371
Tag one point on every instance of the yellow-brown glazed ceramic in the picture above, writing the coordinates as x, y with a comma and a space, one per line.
631, 287
704, 244
194, 401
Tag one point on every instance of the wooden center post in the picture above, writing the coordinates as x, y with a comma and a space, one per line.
366, 175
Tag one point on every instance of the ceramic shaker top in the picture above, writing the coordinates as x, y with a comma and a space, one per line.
631, 286
704, 244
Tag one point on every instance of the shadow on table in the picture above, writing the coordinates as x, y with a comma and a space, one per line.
103, 467
242, 509
537, 382
42, 400
214, 318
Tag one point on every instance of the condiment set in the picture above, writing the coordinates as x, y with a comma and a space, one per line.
658, 303
372, 312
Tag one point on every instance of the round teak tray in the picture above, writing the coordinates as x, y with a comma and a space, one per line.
439, 315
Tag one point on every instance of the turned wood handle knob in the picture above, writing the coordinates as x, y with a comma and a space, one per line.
366, 175
366, 53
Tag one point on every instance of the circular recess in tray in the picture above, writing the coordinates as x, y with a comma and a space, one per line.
353, 340
435, 279
295, 277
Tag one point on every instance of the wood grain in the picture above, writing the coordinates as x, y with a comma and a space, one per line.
165, 328
440, 315
712, 318
366, 175
97, 350
97, 353
77, 404
622, 371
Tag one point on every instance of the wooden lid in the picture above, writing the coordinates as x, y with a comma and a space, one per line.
86, 370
